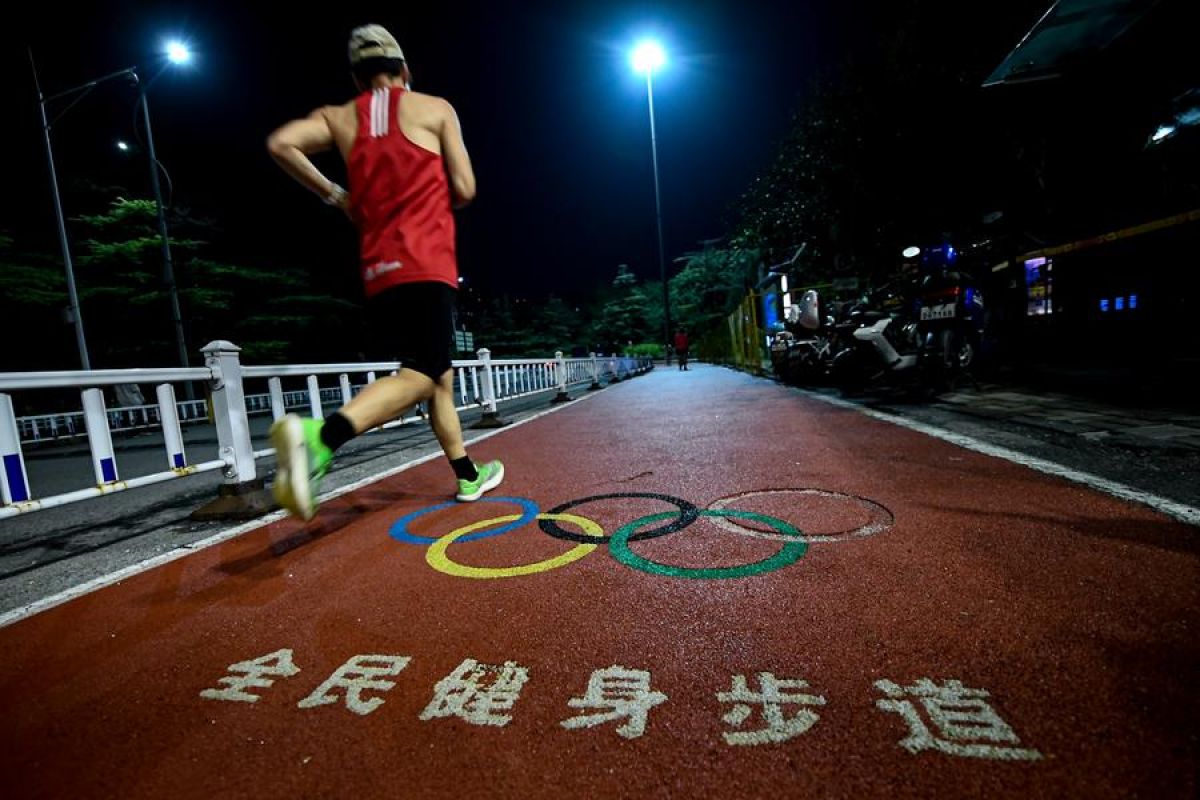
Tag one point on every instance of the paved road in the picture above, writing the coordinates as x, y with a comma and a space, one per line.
836, 606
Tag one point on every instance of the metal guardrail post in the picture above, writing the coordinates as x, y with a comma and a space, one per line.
490, 418
95, 417
243, 494
314, 397
560, 366
14, 485
489, 381
595, 364
347, 393
278, 406
172, 433
229, 411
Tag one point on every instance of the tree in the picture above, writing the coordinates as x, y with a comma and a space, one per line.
557, 328
273, 315
33, 303
623, 314
122, 296
710, 285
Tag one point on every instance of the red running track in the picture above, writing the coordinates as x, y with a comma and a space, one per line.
1000, 634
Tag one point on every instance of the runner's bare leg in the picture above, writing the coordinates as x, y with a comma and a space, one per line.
443, 416
383, 400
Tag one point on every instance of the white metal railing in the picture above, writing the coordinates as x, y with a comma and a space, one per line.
483, 383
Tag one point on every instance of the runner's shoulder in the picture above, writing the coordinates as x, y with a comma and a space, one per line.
335, 113
429, 104
341, 119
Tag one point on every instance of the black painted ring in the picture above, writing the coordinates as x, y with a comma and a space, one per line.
688, 513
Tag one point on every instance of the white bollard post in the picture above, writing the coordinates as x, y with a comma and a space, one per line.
314, 397
95, 417
229, 411
489, 381
347, 394
172, 433
275, 389
242, 494
490, 418
560, 368
14, 485
595, 373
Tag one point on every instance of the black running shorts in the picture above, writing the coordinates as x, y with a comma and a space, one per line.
413, 323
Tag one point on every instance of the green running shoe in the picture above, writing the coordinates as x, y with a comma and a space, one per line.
489, 477
302, 460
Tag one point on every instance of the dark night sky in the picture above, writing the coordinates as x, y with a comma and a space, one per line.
555, 120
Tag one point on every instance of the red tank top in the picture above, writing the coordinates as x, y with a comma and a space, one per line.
400, 201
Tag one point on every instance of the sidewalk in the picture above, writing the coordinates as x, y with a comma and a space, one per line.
1087, 416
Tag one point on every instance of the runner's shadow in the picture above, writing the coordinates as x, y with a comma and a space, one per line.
333, 517
187, 594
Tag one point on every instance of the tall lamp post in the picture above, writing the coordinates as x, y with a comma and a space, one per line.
178, 54
647, 57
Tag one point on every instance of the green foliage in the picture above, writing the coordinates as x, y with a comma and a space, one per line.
623, 314
33, 301
273, 315
710, 285
29, 279
646, 350
512, 328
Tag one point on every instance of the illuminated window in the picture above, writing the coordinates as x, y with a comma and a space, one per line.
1120, 304
1104, 304
1039, 287
1132, 301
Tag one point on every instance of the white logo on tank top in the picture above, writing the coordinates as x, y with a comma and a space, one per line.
382, 268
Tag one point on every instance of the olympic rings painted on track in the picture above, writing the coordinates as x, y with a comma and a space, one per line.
687, 514
879, 519
591, 535
437, 558
788, 554
399, 529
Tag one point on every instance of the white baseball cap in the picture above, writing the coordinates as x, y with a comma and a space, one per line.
373, 41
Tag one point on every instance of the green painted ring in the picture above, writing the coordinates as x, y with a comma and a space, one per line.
790, 553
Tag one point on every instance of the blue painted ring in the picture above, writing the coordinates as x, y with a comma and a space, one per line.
399, 529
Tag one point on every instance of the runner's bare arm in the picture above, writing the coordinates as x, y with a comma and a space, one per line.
291, 147
458, 163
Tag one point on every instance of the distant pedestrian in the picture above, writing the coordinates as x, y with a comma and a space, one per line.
681, 347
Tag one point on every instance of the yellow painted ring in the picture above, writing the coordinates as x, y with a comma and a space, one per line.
438, 559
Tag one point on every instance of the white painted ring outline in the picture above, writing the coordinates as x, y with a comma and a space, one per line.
881, 518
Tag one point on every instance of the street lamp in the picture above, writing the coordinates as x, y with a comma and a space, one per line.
648, 56
176, 53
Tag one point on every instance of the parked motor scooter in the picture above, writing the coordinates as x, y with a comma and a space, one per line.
876, 340
950, 325
801, 352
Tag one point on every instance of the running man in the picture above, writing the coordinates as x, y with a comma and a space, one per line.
408, 168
